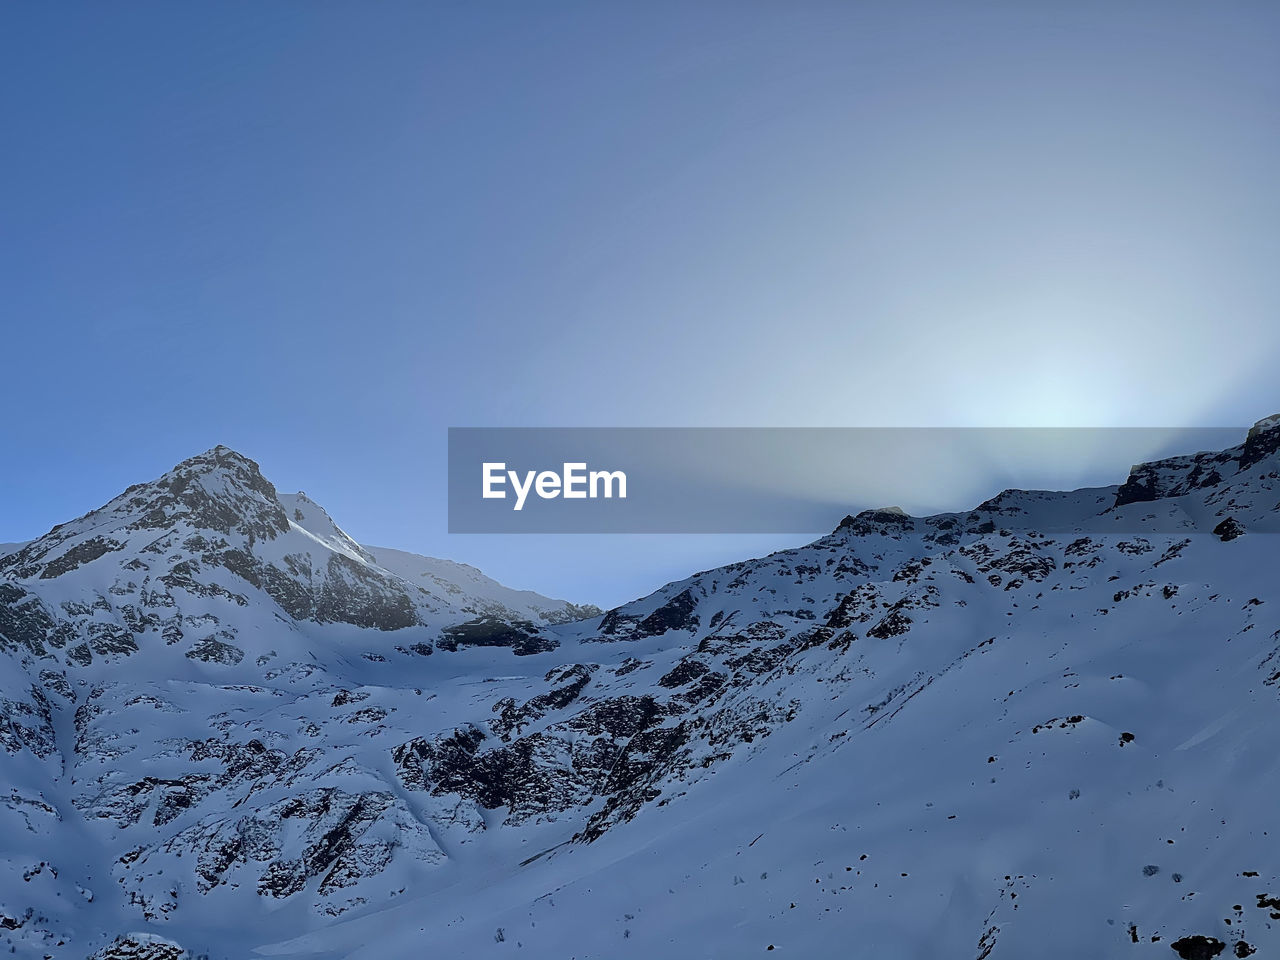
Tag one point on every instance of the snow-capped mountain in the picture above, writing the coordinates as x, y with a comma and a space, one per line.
1045, 727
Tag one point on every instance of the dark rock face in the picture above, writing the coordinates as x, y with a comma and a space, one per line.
889, 521
236, 765
249, 503
420, 649
706, 686
111, 639
1263, 441
137, 946
291, 588
1140, 487
26, 623
335, 820
344, 591
28, 724
760, 660
1197, 947
678, 613
84, 552
615, 621
1023, 561
857, 606
1177, 476
351, 593
895, 624
214, 650
686, 671
523, 637
332, 824
632, 781
571, 682
1173, 477
1229, 529
529, 776
618, 718
417, 760
336, 836
616, 748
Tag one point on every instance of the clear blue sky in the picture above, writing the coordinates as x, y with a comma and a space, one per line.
322, 233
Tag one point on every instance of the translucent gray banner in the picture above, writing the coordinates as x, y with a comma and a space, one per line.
794, 480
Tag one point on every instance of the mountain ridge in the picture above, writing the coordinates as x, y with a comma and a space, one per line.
964, 734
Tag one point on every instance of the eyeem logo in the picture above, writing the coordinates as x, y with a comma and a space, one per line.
573, 483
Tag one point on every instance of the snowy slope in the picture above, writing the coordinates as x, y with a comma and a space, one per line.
1042, 728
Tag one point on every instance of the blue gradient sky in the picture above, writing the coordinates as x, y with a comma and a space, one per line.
322, 233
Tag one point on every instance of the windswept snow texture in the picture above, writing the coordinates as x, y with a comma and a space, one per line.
230, 729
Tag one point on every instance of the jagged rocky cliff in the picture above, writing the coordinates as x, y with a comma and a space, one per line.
1045, 727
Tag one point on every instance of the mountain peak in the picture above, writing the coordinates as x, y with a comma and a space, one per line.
877, 516
217, 490
1176, 476
219, 458
1265, 424
1263, 441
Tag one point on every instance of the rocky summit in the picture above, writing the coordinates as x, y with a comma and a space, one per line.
1046, 727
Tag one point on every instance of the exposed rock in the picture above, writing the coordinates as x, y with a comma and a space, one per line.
25, 622
678, 613
141, 946
686, 671
213, 650
1229, 529
522, 636
883, 520
1263, 441
1198, 947
84, 552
